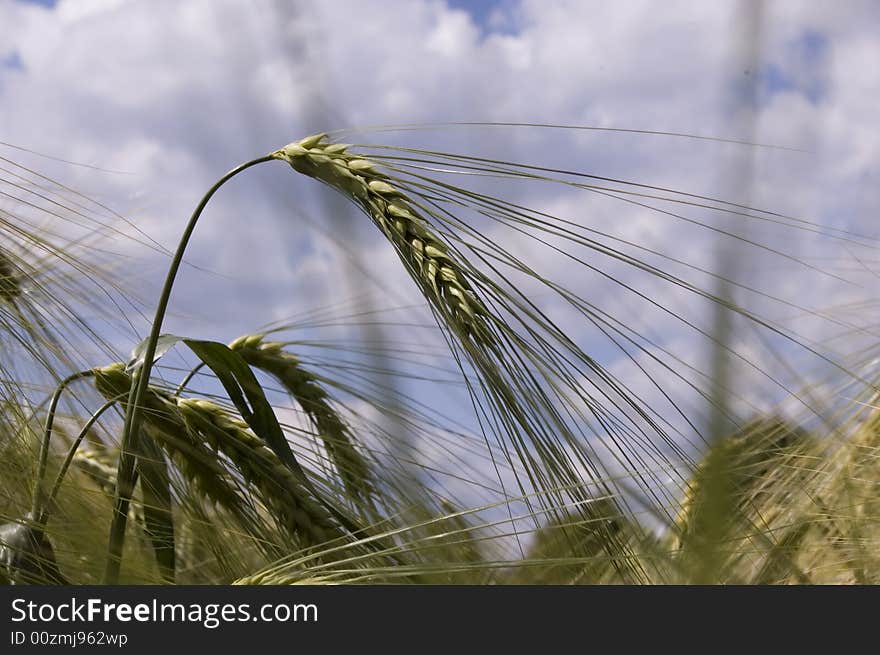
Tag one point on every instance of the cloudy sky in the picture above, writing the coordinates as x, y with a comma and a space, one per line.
165, 96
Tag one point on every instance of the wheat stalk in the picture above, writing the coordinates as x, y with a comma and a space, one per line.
513, 362
139, 388
305, 388
435, 268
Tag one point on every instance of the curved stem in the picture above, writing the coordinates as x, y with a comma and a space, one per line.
189, 376
44, 514
140, 381
37, 500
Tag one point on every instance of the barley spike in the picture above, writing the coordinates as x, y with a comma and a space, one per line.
164, 423
304, 387
280, 489
433, 266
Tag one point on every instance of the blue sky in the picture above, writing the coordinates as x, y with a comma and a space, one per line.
807, 73
174, 93
42, 3
490, 15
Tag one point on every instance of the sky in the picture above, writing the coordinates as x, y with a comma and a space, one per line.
165, 96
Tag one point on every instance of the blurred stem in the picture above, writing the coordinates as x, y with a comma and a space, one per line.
44, 514
37, 501
140, 381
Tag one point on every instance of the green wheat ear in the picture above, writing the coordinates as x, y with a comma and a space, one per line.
424, 253
307, 391
292, 504
164, 424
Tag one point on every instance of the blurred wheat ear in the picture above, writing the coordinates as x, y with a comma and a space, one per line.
10, 284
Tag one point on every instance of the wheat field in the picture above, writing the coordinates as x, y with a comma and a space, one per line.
272, 461
511, 293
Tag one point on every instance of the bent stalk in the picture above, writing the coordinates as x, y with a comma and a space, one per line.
140, 381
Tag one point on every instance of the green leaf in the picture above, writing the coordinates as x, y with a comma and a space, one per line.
165, 343
247, 395
245, 392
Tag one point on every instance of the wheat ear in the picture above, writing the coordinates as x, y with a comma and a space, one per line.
164, 423
306, 390
102, 474
99, 470
424, 253
281, 490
